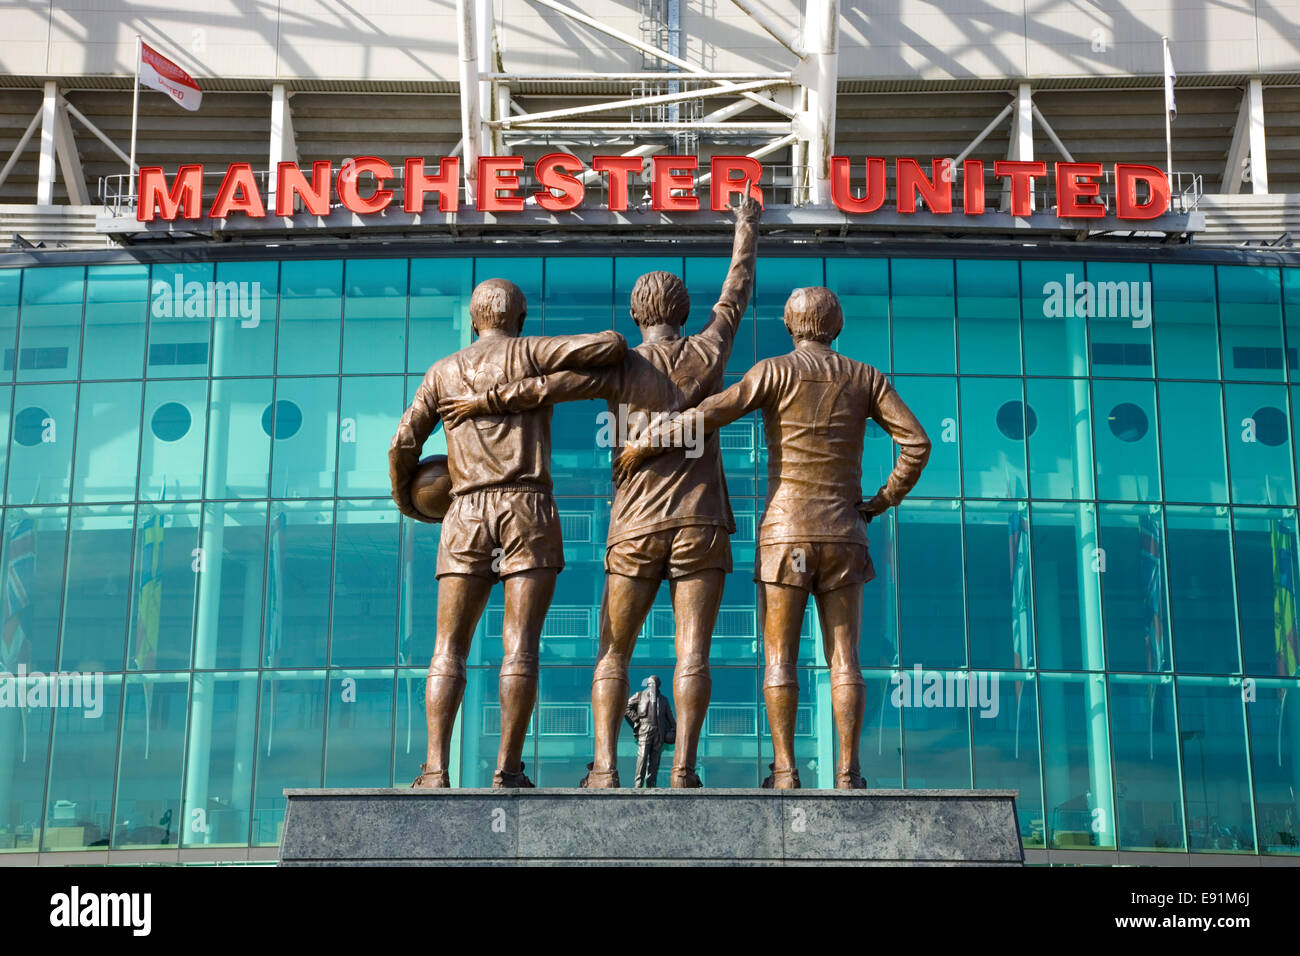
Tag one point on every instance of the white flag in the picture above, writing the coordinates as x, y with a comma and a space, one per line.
161, 74
1170, 76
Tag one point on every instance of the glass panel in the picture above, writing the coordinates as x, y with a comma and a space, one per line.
1185, 321
1201, 597
479, 733
988, 316
243, 331
1076, 762
40, 449
298, 579
311, 302
183, 303
881, 745
924, 315
418, 625
358, 737
1119, 320
579, 295
371, 408
731, 751
571, 631
936, 731
930, 584
165, 581
1290, 309
304, 423
1128, 465
1259, 444
1147, 788
934, 402
171, 453
11, 281
1004, 729
1275, 763
151, 762
411, 736
439, 321
1134, 588
1191, 439
1264, 555
704, 276
79, 801
374, 315
1067, 591
239, 447
34, 543
1060, 447
97, 606
879, 644
999, 609
563, 726
24, 758
291, 739
1250, 323
1216, 779
49, 336
108, 421
222, 748
364, 623
230, 585
775, 280
117, 301
1055, 329
862, 286
994, 424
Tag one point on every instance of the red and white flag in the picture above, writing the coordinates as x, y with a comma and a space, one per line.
161, 74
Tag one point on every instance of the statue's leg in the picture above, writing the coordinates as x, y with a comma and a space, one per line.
653, 752
783, 618
623, 609
527, 599
841, 618
642, 762
696, 599
461, 598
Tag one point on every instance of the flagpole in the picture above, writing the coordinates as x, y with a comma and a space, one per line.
135, 115
1169, 133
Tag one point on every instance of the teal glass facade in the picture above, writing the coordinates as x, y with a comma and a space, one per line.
196, 508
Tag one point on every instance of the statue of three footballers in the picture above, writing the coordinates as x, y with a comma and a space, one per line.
671, 517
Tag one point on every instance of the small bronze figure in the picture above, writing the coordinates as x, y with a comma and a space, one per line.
650, 716
813, 536
672, 519
502, 522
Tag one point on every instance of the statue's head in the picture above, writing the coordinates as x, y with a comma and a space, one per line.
498, 304
652, 682
813, 313
659, 298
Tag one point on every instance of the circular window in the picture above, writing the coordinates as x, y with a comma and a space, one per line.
171, 421
28, 425
1128, 422
1016, 420
874, 430
288, 419
1270, 426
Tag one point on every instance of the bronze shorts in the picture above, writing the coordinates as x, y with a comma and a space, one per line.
493, 533
671, 553
815, 566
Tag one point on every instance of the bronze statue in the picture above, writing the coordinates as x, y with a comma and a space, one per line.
672, 518
650, 716
502, 521
813, 536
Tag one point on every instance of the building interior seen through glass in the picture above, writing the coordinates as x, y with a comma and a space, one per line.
1100, 556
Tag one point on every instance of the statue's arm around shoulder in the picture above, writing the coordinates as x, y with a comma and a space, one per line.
556, 353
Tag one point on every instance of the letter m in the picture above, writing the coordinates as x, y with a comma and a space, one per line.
186, 193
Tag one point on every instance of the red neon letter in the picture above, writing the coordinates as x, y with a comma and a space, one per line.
722, 186
619, 168
238, 193
843, 196
1075, 181
937, 194
1022, 172
972, 187
1127, 176
446, 184
664, 181
349, 173
290, 183
499, 172
187, 192
551, 174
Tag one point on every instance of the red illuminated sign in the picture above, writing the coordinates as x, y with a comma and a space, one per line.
857, 188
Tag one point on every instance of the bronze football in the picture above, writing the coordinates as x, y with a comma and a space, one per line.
431, 487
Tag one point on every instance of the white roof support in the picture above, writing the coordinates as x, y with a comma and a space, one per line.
1051, 133
46, 169
1258, 154
1238, 150
471, 119
22, 145
97, 133
284, 145
633, 102
65, 147
821, 40
778, 34
488, 102
1020, 144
